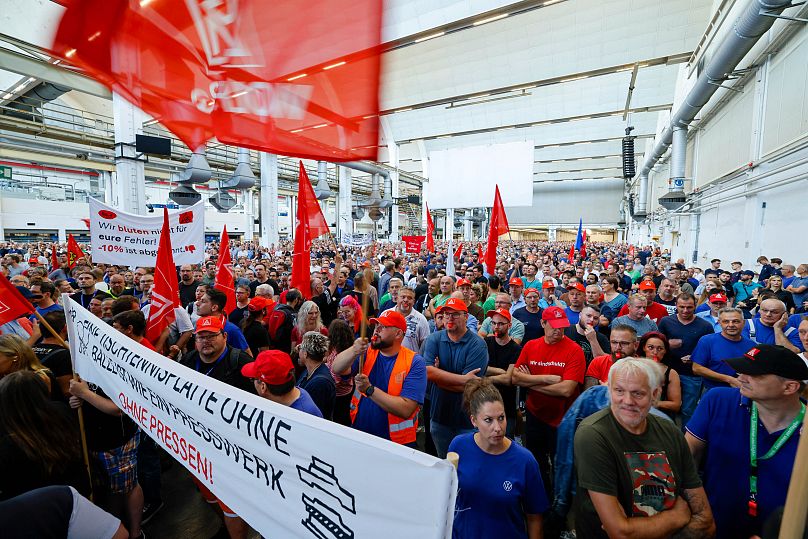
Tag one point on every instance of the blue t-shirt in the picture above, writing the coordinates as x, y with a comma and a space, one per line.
572, 316
802, 296
462, 357
235, 337
370, 417
46, 310
765, 334
690, 334
495, 491
704, 307
304, 403
712, 350
532, 322
322, 389
722, 420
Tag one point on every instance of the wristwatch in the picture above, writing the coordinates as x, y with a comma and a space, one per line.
369, 391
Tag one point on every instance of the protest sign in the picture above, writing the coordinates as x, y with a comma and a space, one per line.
126, 239
413, 243
357, 240
285, 472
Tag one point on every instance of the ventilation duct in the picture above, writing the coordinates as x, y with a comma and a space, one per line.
31, 102
375, 200
243, 177
357, 213
642, 198
197, 170
375, 214
222, 201
676, 198
755, 20
185, 195
322, 190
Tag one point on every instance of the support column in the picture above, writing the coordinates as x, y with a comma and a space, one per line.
448, 226
394, 231
269, 199
344, 218
2, 230
468, 227
249, 213
292, 216
129, 180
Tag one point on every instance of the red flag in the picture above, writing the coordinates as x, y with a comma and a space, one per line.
12, 304
430, 231
74, 252
631, 251
165, 295
480, 254
583, 244
310, 225
498, 215
572, 254
54, 258
265, 76
459, 251
225, 280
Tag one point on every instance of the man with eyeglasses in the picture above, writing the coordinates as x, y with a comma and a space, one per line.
453, 356
213, 357
517, 331
390, 382
772, 326
502, 355
624, 343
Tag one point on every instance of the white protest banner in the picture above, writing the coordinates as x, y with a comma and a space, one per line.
126, 239
287, 473
357, 240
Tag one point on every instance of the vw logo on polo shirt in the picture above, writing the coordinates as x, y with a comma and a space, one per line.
507, 485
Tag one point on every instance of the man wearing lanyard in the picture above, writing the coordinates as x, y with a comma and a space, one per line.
746, 438
213, 357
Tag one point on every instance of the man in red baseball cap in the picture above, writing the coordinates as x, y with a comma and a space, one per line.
453, 356
475, 310
516, 287
503, 352
549, 298
715, 303
390, 382
576, 294
653, 310
213, 357
273, 376
553, 368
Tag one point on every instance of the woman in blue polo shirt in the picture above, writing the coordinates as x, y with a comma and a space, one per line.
500, 491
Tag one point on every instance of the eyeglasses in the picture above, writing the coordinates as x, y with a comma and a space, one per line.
454, 314
207, 336
621, 344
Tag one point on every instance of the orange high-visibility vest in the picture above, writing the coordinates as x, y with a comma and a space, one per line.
402, 431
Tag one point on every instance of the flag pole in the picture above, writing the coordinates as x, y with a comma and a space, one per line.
82, 431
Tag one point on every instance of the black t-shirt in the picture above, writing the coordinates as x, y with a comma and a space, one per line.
104, 431
502, 357
421, 289
532, 322
82, 299
255, 284
257, 337
327, 305
669, 304
57, 360
188, 292
44, 513
19, 473
226, 368
690, 334
582, 341
238, 315
322, 389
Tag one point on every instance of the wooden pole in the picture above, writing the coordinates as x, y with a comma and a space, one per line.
82, 431
794, 515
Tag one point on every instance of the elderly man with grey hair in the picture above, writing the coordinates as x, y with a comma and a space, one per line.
317, 379
636, 477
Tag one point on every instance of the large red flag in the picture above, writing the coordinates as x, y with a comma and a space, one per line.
430, 231
265, 75
12, 304
459, 251
225, 280
74, 252
572, 254
165, 295
480, 253
583, 244
310, 224
54, 257
498, 226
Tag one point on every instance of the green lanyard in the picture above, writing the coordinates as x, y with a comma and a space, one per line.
753, 458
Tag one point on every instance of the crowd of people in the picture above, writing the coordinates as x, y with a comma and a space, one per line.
619, 393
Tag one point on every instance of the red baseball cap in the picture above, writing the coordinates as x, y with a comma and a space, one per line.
531, 291
515, 281
456, 304
647, 285
502, 312
33, 260
214, 324
463, 282
718, 298
392, 319
578, 286
258, 303
556, 317
272, 367
547, 284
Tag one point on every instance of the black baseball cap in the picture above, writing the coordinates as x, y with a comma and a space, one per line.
770, 359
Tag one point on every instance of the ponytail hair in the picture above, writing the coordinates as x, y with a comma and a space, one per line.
477, 392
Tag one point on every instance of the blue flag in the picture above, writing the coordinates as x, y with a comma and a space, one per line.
579, 240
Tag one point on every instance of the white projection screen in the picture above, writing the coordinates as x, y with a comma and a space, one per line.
465, 177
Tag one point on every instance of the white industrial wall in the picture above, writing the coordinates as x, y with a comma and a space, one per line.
746, 211
597, 202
